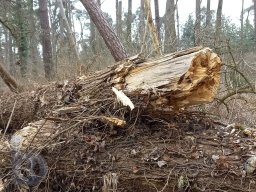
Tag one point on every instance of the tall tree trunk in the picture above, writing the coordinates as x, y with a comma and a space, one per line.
119, 20
218, 25
111, 39
141, 21
242, 28
170, 40
254, 8
157, 19
152, 28
33, 40
208, 14
11, 56
71, 37
198, 23
22, 39
178, 24
129, 23
1, 50
6, 47
92, 37
49, 68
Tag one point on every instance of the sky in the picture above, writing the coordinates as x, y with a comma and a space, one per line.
231, 8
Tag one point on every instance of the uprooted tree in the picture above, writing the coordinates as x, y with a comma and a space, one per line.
125, 128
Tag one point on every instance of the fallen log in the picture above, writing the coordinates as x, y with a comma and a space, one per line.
82, 139
86, 141
175, 80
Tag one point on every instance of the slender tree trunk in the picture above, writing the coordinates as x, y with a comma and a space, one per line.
11, 56
208, 14
6, 47
242, 28
119, 20
1, 50
33, 40
198, 23
170, 40
218, 25
178, 24
92, 37
157, 19
111, 39
71, 37
141, 22
152, 28
254, 8
49, 68
129, 23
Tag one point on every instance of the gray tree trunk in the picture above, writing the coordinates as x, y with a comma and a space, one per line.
129, 23
119, 20
71, 38
198, 23
170, 40
208, 13
218, 25
254, 8
157, 19
242, 28
141, 22
49, 67
22, 38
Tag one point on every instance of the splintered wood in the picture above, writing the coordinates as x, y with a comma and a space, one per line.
179, 79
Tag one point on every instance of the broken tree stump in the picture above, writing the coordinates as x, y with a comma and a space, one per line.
175, 80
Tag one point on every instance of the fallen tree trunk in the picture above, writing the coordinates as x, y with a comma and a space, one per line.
89, 142
172, 81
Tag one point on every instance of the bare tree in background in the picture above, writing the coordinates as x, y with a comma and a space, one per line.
218, 25
254, 8
208, 13
71, 38
178, 24
170, 39
129, 23
242, 27
111, 39
119, 19
157, 18
198, 23
141, 21
49, 68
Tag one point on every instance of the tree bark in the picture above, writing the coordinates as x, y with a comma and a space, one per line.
198, 23
112, 41
254, 9
9, 80
22, 38
152, 28
218, 25
129, 23
157, 19
175, 80
141, 22
71, 37
82, 129
49, 68
119, 20
242, 28
170, 40
208, 13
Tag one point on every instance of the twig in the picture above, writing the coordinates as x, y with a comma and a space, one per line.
9, 120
